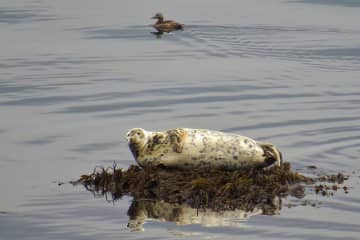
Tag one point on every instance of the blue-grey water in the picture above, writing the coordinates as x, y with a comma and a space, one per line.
75, 76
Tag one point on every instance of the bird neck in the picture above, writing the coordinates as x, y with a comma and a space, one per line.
160, 20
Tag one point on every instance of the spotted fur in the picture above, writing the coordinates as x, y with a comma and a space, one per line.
189, 148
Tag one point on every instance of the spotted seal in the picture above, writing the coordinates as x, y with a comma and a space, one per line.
189, 148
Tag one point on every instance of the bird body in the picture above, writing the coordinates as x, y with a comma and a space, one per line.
166, 25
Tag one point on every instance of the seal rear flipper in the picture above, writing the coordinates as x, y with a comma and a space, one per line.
273, 157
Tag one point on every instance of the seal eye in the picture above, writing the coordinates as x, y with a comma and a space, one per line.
138, 133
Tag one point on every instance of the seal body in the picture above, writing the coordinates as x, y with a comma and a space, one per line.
189, 148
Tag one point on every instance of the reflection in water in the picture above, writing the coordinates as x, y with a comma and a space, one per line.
158, 34
142, 210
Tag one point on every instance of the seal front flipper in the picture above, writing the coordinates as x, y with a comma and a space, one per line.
177, 139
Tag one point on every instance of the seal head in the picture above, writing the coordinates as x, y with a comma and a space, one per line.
137, 139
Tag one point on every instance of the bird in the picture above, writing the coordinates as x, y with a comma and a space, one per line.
166, 25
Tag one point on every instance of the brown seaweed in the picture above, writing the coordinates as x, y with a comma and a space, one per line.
206, 196
218, 190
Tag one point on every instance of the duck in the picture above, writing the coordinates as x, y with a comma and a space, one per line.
166, 26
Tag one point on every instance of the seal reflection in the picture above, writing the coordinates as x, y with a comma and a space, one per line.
141, 211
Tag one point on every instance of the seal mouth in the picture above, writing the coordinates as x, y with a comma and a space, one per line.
128, 138
134, 149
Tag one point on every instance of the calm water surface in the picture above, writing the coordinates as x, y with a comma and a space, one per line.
76, 75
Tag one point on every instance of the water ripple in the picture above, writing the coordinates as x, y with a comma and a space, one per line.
342, 3
91, 147
16, 16
167, 102
296, 122
314, 46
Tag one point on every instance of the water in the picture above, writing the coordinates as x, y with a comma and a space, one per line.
76, 75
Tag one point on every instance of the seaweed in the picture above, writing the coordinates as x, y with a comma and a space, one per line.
218, 190
206, 195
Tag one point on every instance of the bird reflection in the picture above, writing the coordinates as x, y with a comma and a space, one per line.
158, 34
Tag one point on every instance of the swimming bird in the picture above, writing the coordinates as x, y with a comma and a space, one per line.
166, 26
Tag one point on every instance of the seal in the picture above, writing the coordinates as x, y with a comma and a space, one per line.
200, 148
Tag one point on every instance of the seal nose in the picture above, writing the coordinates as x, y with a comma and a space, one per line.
128, 137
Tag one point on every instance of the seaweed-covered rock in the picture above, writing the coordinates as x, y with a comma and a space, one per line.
179, 195
201, 188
